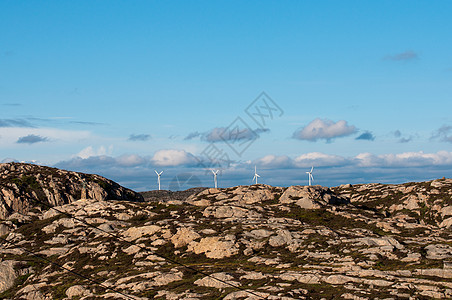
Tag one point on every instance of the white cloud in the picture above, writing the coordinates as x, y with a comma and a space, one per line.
274, 161
172, 157
131, 160
90, 151
318, 159
367, 160
324, 129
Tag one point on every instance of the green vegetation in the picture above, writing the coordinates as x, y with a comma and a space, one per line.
26, 182
18, 282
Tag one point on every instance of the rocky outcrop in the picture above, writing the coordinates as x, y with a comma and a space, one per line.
248, 242
310, 197
24, 186
415, 202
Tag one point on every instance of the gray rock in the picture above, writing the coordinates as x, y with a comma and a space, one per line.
213, 247
7, 274
184, 236
5, 229
438, 251
211, 281
77, 291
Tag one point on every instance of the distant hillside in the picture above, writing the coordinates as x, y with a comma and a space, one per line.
165, 195
22, 184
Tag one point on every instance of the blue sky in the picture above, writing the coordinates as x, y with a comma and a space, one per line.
122, 88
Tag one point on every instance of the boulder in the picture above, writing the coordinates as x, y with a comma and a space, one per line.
283, 238
310, 197
164, 279
76, 291
388, 242
229, 211
259, 233
7, 274
213, 247
255, 196
438, 251
217, 280
134, 233
300, 277
446, 211
5, 229
339, 279
446, 223
184, 236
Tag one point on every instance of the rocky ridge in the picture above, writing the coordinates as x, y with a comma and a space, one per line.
23, 186
369, 241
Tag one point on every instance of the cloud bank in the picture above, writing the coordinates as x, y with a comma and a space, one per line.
137, 172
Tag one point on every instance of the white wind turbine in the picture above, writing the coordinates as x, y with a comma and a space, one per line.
255, 174
310, 177
215, 177
158, 177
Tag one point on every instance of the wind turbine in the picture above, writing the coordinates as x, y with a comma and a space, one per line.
215, 177
158, 177
255, 174
310, 177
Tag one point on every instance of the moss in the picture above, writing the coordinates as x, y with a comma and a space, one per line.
322, 217
33, 229
103, 184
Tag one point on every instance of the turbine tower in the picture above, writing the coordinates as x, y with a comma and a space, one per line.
255, 174
158, 177
215, 177
310, 177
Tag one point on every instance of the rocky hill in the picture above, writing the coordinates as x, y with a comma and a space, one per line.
26, 186
368, 241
